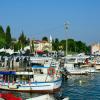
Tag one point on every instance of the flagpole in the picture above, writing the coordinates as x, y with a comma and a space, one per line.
66, 28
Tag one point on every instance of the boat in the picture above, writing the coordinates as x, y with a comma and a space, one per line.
78, 65
42, 77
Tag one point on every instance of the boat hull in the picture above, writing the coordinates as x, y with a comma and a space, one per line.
34, 91
34, 87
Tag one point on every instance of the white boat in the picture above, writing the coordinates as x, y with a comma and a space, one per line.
76, 65
37, 79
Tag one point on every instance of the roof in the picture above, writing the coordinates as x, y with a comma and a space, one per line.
39, 66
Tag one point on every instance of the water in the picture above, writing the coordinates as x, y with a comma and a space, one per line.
82, 87
76, 88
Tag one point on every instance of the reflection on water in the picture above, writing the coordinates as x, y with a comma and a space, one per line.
23, 95
76, 88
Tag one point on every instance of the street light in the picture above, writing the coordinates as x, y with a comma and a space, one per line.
66, 28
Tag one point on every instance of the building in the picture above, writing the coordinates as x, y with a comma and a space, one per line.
42, 45
95, 49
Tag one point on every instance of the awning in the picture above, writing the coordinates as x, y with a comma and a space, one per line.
7, 72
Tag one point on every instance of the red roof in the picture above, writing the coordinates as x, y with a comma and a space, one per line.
39, 51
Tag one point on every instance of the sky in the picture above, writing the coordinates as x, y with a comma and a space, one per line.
39, 18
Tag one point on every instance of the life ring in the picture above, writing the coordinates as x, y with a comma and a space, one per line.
51, 71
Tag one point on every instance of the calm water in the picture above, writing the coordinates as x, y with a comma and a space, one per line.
82, 87
76, 88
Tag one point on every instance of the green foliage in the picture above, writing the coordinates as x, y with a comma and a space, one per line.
72, 46
8, 37
45, 39
27, 41
22, 40
17, 46
80, 46
32, 46
63, 45
1, 30
55, 44
2, 42
2, 38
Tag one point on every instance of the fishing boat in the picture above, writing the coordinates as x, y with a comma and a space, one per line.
43, 76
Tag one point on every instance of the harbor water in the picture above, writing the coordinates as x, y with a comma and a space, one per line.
82, 87
79, 87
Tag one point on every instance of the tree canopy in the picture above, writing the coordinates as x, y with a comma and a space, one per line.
45, 39
8, 37
73, 46
2, 38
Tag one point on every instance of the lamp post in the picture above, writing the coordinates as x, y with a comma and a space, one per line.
66, 28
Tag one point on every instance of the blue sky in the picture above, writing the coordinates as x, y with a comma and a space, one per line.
38, 18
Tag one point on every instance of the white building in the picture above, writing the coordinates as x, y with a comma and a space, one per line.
42, 45
95, 49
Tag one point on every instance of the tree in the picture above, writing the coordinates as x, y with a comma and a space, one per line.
8, 37
56, 44
45, 39
2, 37
32, 45
27, 41
1, 30
80, 46
17, 46
53, 43
63, 45
71, 45
22, 40
74, 46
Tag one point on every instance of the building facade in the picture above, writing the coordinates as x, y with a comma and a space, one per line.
95, 49
42, 45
